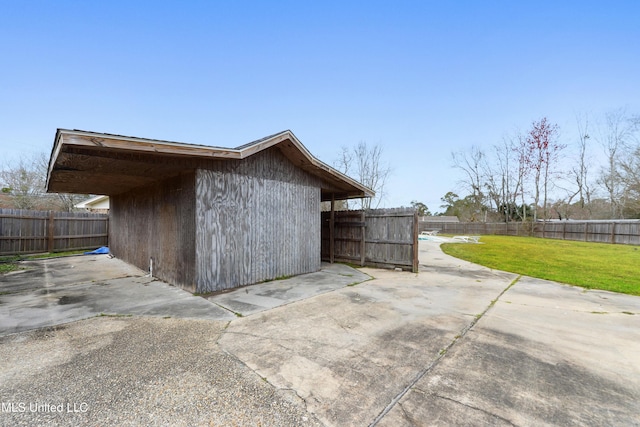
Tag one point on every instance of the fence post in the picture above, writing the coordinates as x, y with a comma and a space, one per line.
613, 233
415, 243
50, 243
586, 231
362, 237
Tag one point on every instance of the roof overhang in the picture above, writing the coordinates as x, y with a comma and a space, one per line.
98, 163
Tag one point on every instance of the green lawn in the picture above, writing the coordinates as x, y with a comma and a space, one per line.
613, 268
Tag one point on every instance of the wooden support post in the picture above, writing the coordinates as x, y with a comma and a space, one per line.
51, 230
331, 229
362, 238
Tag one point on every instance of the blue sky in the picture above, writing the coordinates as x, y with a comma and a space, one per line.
419, 78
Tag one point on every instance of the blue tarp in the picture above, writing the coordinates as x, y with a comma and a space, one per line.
102, 250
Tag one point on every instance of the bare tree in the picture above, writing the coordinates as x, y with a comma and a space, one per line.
543, 150
576, 179
366, 165
581, 170
508, 177
630, 169
631, 179
24, 181
615, 135
471, 163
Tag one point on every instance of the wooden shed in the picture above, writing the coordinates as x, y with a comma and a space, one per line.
205, 218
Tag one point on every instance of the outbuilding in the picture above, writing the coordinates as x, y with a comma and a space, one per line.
200, 217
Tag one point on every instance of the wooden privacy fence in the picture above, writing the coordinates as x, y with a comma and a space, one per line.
24, 231
612, 231
376, 238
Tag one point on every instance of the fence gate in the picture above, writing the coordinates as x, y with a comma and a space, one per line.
386, 238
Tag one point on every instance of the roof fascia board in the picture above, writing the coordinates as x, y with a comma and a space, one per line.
325, 167
55, 151
116, 142
267, 143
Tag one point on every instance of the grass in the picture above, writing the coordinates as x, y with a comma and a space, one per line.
10, 263
589, 265
55, 254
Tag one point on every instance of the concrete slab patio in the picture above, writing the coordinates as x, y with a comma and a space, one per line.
455, 344
55, 291
264, 296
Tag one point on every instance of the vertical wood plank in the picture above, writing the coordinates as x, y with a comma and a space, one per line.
258, 219
51, 231
332, 235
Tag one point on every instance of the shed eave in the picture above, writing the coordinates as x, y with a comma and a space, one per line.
81, 160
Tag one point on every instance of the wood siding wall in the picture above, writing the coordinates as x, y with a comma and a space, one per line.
622, 232
26, 231
257, 219
158, 222
377, 238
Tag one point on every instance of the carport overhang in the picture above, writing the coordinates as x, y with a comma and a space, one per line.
98, 163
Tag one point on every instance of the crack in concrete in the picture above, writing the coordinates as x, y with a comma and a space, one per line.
255, 372
283, 339
475, 408
294, 391
568, 309
225, 308
443, 352
407, 416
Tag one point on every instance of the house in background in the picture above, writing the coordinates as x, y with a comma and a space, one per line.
439, 218
97, 204
205, 218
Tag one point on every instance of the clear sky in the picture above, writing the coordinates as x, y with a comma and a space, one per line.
419, 78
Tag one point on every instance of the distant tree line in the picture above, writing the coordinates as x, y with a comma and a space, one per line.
536, 175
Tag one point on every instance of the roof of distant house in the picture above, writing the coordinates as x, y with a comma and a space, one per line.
91, 202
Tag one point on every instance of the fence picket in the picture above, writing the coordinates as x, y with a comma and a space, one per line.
24, 231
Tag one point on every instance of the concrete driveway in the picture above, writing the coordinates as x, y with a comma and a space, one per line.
456, 344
